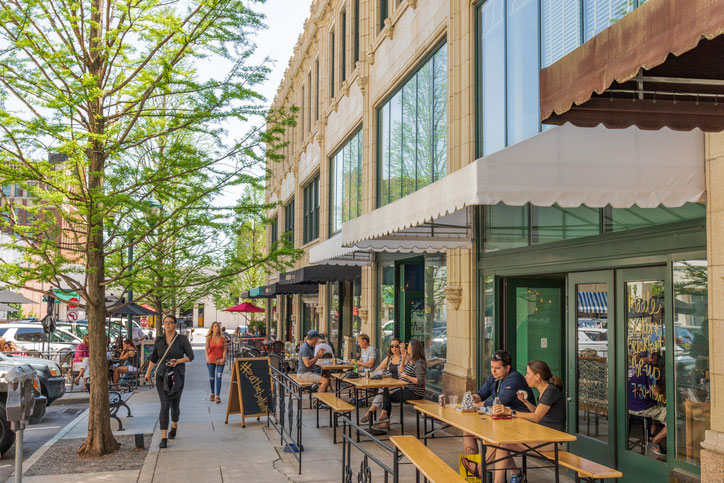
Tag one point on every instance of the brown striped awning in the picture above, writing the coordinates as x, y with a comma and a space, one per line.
661, 65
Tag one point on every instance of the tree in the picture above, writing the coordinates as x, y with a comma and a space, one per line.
112, 87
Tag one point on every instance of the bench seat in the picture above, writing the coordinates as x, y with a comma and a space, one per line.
335, 404
425, 461
586, 469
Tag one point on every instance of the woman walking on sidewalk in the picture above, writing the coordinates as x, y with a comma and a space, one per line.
171, 352
215, 359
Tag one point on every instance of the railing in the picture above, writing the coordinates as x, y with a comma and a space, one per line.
364, 473
287, 401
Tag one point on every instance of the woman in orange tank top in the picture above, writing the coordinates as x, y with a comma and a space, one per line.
215, 359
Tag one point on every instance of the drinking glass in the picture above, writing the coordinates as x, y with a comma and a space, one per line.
452, 401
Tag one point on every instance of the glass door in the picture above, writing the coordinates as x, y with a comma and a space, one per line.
590, 397
642, 355
411, 297
534, 317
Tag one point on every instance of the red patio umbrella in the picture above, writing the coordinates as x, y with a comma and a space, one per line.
245, 307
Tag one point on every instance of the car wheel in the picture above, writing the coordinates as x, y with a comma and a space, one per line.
7, 435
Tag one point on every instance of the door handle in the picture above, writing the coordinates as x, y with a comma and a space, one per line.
569, 399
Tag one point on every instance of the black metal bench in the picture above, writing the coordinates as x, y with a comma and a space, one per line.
118, 400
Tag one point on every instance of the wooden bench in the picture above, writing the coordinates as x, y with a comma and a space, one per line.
303, 386
117, 401
586, 470
426, 462
336, 406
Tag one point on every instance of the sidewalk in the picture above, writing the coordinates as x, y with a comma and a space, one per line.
207, 450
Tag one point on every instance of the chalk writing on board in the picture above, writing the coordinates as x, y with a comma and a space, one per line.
256, 383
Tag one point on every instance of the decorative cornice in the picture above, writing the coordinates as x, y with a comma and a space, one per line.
363, 315
413, 3
389, 28
362, 81
345, 88
371, 57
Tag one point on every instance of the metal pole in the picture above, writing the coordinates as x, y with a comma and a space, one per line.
129, 323
19, 452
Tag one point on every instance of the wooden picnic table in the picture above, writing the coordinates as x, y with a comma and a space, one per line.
497, 432
385, 383
335, 366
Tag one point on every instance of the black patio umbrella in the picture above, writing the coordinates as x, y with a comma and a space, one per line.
130, 309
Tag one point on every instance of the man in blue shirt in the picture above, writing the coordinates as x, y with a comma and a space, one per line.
308, 360
504, 383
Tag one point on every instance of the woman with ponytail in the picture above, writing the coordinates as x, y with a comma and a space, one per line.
550, 412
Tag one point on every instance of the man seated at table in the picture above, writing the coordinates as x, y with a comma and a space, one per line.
308, 360
323, 345
368, 356
503, 383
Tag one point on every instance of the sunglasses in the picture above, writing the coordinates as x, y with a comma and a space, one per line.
394, 346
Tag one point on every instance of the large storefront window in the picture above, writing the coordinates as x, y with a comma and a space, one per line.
345, 187
691, 358
506, 227
430, 324
413, 132
560, 29
386, 305
334, 312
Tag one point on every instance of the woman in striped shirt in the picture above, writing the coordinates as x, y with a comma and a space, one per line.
415, 368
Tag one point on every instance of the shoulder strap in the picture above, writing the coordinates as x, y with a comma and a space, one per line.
165, 353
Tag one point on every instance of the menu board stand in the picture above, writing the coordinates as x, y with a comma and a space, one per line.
250, 388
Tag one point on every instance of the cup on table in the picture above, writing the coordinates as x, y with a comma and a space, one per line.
367, 374
522, 394
452, 401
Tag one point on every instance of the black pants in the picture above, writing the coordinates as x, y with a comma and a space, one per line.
399, 395
168, 402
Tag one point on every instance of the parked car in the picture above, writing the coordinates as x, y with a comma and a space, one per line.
7, 435
30, 336
51, 382
593, 339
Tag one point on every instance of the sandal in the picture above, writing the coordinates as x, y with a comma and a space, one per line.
211, 398
364, 418
218, 400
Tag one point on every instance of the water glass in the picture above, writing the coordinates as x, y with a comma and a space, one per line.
452, 401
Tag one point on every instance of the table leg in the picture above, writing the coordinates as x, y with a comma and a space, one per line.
402, 416
557, 467
484, 462
356, 408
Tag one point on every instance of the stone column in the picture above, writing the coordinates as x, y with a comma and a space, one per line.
712, 455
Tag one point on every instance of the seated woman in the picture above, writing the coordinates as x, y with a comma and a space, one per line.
128, 361
391, 364
550, 412
81, 350
414, 371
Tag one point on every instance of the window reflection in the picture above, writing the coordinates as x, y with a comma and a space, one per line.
434, 318
592, 359
386, 305
691, 357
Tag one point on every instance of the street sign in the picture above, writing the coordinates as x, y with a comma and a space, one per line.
72, 315
144, 322
73, 302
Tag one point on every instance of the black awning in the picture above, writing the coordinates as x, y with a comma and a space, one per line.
314, 274
274, 289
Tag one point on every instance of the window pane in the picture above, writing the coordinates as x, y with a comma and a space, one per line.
386, 305
488, 323
646, 369
409, 135
396, 146
505, 227
561, 29
384, 158
635, 217
522, 64
493, 75
691, 358
592, 360
435, 328
600, 14
553, 223
439, 115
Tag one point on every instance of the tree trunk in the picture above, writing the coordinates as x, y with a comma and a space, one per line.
159, 310
100, 440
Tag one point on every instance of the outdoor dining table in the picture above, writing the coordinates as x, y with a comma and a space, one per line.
364, 383
497, 432
335, 366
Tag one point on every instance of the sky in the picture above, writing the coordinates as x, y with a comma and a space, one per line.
285, 22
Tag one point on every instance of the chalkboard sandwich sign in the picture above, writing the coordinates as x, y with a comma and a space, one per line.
250, 392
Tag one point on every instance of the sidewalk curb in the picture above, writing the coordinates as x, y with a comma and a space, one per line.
43, 449
149, 464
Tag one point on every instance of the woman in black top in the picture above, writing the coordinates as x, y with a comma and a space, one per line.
170, 388
550, 412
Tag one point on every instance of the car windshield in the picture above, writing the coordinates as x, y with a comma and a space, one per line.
62, 336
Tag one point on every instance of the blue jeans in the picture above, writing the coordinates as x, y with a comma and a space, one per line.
215, 372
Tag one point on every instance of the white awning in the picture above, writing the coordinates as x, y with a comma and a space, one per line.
332, 252
566, 165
